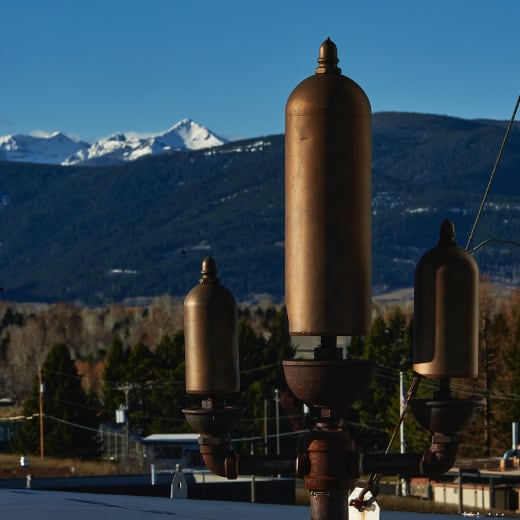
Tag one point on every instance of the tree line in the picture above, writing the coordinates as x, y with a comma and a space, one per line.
150, 382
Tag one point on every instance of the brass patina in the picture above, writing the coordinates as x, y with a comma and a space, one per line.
328, 203
211, 336
446, 310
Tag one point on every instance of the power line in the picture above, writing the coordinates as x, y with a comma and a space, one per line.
489, 240
457, 385
261, 437
61, 374
491, 178
263, 367
69, 423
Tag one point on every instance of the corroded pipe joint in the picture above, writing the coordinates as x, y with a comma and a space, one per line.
220, 460
442, 454
433, 462
303, 464
331, 463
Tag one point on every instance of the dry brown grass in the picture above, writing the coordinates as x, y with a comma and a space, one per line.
409, 504
52, 467
414, 504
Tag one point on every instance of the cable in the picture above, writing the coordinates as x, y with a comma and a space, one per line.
261, 437
488, 240
492, 176
373, 482
69, 423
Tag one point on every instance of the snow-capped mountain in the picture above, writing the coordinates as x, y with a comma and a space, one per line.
47, 149
120, 147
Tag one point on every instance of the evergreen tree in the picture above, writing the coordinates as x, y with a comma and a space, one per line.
138, 374
498, 382
252, 372
167, 394
279, 344
114, 375
152, 382
389, 345
70, 420
261, 373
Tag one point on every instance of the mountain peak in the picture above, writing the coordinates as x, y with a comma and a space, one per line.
45, 148
57, 148
117, 136
190, 135
184, 122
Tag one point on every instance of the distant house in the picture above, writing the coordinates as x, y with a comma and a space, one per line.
476, 485
165, 450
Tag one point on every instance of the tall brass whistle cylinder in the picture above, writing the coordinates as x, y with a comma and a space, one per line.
211, 336
446, 310
328, 203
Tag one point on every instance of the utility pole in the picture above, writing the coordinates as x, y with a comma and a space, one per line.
402, 407
42, 390
401, 410
277, 403
125, 387
266, 450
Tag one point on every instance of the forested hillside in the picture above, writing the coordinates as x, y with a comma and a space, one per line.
113, 234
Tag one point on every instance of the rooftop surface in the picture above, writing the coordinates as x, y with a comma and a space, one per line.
28, 504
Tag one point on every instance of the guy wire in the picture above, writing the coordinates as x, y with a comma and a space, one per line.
492, 176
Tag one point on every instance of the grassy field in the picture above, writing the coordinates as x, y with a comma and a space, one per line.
50, 467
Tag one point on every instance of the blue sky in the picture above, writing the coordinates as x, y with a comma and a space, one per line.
93, 67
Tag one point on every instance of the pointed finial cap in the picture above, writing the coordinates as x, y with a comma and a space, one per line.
447, 234
209, 271
328, 58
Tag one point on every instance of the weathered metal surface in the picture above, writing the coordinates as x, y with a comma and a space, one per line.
328, 203
217, 423
329, 384
449, 416
329, 505
446, 310
211, 336
333, 462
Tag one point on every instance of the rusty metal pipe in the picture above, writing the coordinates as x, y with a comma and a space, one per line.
284, 465
223, 461
434, 461
219, 459
391, 463
329, 505
441, 456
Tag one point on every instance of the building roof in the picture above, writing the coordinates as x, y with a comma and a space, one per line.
26, 504
18, 504
171, 437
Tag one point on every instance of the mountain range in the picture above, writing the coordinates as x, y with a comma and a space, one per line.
141, 228
58, 148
